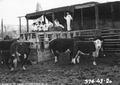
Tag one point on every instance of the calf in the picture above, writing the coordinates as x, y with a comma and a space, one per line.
19, 52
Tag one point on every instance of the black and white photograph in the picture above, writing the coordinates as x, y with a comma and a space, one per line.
59, 42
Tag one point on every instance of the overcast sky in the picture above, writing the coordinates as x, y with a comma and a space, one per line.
11, 9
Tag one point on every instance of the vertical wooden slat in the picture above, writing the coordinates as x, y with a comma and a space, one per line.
96, 16
20, 25
2, 28
53, 18
27, 25
96, 20
112, 14
82, 18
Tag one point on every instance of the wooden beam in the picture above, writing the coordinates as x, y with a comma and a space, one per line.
82, 18
112, 15
2, 28
27, 25
20, 17
20, 25
96, 16
53, 18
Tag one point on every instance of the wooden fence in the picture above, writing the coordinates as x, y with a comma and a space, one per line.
40, 40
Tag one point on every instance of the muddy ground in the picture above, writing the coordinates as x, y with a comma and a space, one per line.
108, 70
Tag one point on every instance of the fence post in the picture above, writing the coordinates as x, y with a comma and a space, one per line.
68, 35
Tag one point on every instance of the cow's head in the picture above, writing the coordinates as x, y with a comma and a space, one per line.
98, 43
98, 46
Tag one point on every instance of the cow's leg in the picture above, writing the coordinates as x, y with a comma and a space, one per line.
8, 63
102, 51
24, 68
2, 62
25, 56
2, 58
15, 61
13, 64
56, 59
98, 44
56, 53
17, 55
94, 54
76, 57
12, 69
73, 61
94, 61
80, 53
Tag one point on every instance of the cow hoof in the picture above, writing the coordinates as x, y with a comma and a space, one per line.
25, 56
12, 69
78, 59
55, 62
56, 59
94, 63
73, 61
1, 62
24, 68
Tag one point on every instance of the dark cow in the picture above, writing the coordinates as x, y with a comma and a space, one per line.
19, 52
76, 47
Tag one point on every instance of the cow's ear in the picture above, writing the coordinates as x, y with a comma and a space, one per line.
102, 41
94, 42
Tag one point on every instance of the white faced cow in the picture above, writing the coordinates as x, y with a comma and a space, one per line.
75, 48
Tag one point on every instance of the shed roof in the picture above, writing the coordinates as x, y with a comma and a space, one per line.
36, 15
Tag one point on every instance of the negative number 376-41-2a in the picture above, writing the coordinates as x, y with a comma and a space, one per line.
100, 81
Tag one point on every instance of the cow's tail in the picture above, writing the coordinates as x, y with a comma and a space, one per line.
51, 51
